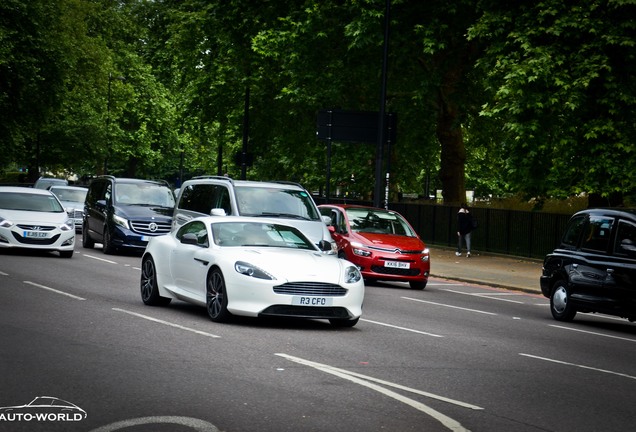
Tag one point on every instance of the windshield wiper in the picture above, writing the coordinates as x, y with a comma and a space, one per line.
283, 215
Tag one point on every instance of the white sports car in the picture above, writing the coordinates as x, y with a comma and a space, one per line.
250, 266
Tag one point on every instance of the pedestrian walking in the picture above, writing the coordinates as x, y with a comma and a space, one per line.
464, 228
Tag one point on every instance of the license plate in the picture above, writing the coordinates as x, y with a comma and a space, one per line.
311, 301
35, 234
397, 264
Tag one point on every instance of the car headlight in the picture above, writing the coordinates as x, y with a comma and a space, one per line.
352, 274
248, 269
5, 223
69, 225
120, 221
426, 254
358, 250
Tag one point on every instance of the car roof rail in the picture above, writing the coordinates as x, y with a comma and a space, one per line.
288, 183
215, 177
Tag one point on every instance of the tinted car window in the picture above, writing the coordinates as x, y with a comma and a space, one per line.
625, 239
204, 197
197, 228
597, 234
573, 232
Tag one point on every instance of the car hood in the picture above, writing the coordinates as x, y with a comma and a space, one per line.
294, 264
390, 241
140, 211
28, 217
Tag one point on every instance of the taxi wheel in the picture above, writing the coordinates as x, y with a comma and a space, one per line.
560, 306
148, 284
216, 297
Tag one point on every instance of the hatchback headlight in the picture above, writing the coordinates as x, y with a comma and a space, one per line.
352, 274
5, 223
426, 254
358, 250
248, 269
68, 225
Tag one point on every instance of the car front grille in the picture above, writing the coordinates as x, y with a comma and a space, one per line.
395, 271
33, 241
36, 227
305, 312
151, 228
395, 250
310, 289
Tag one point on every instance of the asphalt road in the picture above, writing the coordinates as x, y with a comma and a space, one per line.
452, 357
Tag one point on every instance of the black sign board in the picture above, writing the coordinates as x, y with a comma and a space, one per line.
354, 126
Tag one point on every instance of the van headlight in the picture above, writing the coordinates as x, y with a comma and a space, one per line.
121, 221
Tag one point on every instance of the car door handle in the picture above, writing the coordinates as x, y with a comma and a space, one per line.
204, 262
610, 271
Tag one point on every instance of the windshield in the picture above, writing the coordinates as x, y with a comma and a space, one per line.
259, 234
72, 195
29, 202
262, 201
378, 221
149, 194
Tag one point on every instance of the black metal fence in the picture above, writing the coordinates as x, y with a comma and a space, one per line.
509, 232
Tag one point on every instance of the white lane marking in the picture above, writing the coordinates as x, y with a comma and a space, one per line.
149, 318
364, 381
593, 333
492, 296
136, 268
196, 424
4, 274
53, 290
578, 366
429, 284
100, 259
449, 306
400, 328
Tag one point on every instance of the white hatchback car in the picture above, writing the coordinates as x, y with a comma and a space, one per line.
253, 267
35, 219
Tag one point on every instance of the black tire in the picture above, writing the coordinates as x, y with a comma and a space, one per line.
560, 305
66, 254
342, 323
87, 241
108, 247
417, 285
216, 297
148, 284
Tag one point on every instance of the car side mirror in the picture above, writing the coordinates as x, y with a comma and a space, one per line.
190, 238
217, 212
326, 220
324, 245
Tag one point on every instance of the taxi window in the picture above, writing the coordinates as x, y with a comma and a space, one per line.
573, 232
597, 234
625, 239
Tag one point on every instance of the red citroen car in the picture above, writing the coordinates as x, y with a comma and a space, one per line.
380, 242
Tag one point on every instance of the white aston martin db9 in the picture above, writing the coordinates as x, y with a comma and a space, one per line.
253, 267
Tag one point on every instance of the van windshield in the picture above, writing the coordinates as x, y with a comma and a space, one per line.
149, 194
263, 201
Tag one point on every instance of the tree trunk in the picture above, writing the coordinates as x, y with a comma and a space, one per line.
453, 157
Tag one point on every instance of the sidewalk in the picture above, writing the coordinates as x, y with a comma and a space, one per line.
487, 269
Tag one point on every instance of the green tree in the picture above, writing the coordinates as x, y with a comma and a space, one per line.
561, 81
